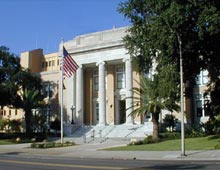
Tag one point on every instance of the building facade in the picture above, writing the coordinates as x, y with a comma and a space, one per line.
100, 90
99, 93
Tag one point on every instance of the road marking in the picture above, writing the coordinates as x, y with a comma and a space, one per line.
62, 165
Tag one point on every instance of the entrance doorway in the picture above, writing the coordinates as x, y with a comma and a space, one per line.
122, 112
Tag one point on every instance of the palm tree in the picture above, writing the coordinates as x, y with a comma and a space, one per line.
151, 101
26, 94
30, 99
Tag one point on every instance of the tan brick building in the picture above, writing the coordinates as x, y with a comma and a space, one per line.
97, 93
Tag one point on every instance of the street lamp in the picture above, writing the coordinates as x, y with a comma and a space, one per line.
72, 109
48, 117
181, 93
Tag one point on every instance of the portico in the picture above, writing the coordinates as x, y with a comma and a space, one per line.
103, 95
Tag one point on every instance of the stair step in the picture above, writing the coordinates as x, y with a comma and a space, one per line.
114, 131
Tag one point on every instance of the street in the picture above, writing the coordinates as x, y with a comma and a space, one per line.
18, 162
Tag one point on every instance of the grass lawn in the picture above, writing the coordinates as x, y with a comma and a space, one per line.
6, 142
202, 143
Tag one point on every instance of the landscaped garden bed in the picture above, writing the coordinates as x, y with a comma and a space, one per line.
51, 144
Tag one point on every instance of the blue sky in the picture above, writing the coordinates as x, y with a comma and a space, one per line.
30, 24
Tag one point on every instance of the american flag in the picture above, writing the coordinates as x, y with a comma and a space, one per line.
69, 65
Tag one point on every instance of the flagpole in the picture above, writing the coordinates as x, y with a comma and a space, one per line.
61, 119
68, 67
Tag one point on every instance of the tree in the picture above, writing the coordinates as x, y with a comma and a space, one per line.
30, 99
39, 121
153, 100
158, 25
3, 124
14, 125
28, 96
55, 125
9, 65
18, 87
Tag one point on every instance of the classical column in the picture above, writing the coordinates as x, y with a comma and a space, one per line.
79, 95
102, 94
117, 117
129, 93
70, 96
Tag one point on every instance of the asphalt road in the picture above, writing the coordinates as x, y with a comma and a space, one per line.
15, 162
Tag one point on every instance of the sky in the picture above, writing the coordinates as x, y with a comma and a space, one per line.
30, 24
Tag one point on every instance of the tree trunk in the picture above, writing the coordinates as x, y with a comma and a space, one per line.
28, 115
189, 104
155, 120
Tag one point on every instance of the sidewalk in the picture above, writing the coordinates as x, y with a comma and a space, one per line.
94, 150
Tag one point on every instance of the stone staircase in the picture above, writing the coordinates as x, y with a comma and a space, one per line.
113, 131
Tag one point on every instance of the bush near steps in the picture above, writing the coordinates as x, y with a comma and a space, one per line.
51, 144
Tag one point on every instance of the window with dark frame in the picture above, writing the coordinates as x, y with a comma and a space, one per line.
120, 77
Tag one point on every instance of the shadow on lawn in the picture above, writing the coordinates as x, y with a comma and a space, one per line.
214, 137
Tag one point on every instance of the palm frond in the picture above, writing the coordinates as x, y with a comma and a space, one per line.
148, 96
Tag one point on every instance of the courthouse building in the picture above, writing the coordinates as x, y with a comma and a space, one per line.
99, 93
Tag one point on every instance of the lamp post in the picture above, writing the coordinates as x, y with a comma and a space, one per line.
181, 98
48, 109
72, 109
48, 118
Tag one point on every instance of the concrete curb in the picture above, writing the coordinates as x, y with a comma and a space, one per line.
94, 151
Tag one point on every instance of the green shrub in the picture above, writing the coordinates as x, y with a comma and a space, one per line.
212, 126
149, 140
170, 122
33, 145
23, 137
51, 144
55, 125
170, 136
38, 145
14, 125
194, 131
3, 124
58, 144
213, 137
217, 146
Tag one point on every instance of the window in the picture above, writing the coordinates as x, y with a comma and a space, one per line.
202, 78
206, 107
42, 65
96, 80
201, 102
149, 74
16, 112
120, 78
97, 111
47, 90
199, 108
205, 78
